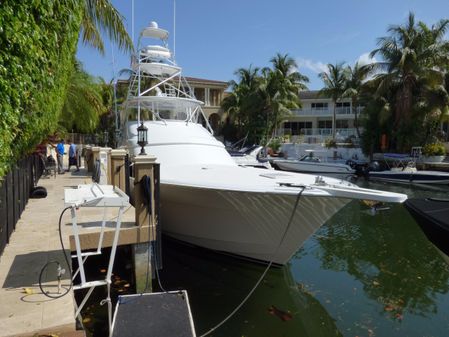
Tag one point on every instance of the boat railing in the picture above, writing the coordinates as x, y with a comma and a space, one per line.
142, 58
399, 161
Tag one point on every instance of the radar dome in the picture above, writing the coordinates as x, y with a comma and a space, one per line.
153, 24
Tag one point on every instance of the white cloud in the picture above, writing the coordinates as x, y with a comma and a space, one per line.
366, 59
316, 67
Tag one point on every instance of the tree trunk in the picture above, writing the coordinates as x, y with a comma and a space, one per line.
356, 121
334, 121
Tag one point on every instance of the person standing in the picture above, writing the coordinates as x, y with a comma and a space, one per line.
60, 156
73, 157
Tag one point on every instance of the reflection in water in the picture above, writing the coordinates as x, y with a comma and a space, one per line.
216, 284
406, 277
360, 275
387, 278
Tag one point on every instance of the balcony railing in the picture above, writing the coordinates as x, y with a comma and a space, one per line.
325, 132
343, 110
325, 111
312, 112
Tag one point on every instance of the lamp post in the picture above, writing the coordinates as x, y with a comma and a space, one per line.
118, 133
142, 137
106, 138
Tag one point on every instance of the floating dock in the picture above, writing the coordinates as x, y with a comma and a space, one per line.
158, 314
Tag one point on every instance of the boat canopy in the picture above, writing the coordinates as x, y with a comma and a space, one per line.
156, 69
157, 52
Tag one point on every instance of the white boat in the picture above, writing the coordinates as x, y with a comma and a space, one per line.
207, 199
312, 162
402, 169
250, 156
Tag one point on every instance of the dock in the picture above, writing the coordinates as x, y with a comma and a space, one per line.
24, 310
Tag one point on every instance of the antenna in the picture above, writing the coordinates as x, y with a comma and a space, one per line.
132, 21
115, 88
174, 29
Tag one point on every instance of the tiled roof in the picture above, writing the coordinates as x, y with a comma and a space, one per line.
190, 80
202, 80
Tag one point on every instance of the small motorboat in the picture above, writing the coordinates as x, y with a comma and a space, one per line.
432, 215
313, 162
399, 168
250, 156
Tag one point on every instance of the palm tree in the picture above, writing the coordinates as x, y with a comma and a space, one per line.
334, 86
415, 59
101, 15
356, 77
262, 98
85, 101
238, 103
283, 84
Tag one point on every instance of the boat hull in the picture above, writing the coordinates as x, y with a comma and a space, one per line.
420, 177
432, 215
247, 224
329, 169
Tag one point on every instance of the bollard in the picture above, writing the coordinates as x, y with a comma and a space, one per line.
143, 165
118, 173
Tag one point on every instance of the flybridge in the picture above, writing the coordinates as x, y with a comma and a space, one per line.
157, 90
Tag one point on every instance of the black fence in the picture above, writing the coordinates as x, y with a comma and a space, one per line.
15, 189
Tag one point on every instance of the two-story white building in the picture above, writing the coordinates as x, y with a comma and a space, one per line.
313, 122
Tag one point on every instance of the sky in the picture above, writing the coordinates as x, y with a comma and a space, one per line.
215, 38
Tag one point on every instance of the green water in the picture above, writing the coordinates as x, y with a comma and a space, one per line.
359, 275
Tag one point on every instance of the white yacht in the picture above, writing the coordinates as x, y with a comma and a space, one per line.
207, 199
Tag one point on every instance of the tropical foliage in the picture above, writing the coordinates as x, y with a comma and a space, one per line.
405, 94
355, 88
262, 98
87, 99
413, 80
335, 80
37, 46
36, 59
434, 149
101, 15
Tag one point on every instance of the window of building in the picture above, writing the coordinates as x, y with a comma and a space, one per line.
343, 104
343, 108
320, 106
327, 124
342, 124
304, 125
200, 94
214, 97
296, 128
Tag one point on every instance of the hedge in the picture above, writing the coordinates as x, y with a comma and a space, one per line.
38, 41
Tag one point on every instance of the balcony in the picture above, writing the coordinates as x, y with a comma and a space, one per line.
344, 110
323, 132
320, 112
312, 112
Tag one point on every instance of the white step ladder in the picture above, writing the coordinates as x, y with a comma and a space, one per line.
95, 195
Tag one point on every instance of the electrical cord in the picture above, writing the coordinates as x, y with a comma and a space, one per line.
60, 270
237, 308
